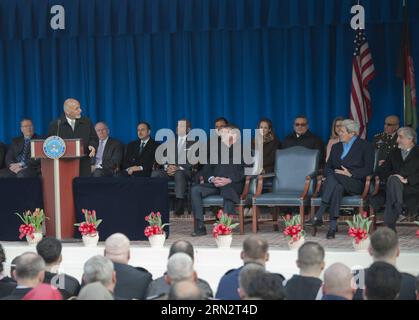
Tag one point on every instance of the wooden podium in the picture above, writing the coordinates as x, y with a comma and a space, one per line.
57, 186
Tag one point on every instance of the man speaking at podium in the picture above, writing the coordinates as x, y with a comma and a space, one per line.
71, 125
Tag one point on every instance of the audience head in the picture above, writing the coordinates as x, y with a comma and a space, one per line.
185, 290
26, 127
95, 291
183, 127
13, 267
50, 250
255, 249
102, 130
267, 286
406, 138
72, 109
349, 129
265, 125
43, 292
2, 259
337, 124
100, 269
384, 245
301, 125
29, 270
338, 281
230, 134
117, 248
247, 275
391, 125
180, 267
182, 246
382, 282
311, 259
143, 130
220, 123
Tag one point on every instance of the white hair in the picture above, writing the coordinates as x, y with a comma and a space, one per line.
117, 247
351, 126
409, 133
180, 267
98, 269
337, 279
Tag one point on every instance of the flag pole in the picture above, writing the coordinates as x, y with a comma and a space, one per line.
404, 80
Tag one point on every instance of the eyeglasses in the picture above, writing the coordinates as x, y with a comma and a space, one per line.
300, 124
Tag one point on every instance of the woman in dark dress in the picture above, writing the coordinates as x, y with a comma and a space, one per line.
270, 144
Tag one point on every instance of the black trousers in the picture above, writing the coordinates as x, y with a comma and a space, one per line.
181, 178
201, 191
394, 201
334, 188
24, 173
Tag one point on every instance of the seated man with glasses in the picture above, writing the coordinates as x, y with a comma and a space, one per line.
386, 141
303, 137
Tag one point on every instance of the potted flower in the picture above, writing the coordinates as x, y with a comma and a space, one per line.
223, 230
154, 232
359, 229
417, 231
88, 228
32, 225
293, 232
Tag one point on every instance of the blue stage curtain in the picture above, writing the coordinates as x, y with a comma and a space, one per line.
159, 60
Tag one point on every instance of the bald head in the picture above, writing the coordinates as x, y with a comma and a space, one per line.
72, 109
117, 248
338, 281
392, 124
185, 290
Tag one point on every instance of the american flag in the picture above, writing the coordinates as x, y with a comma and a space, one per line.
363, 72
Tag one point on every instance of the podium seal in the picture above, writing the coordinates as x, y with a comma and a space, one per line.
54, 147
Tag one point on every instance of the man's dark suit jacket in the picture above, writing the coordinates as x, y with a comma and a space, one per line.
71, 284
84, 129
359, 161
112, 156
6, 287
131, 283
17, 294
302, 288
308, 140
16, 149
2, 154
146, 159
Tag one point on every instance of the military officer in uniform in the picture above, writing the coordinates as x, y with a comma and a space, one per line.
386, 141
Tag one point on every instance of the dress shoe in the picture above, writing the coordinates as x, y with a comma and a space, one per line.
202, 231
180, 207
330, 234
314, 222
401, 218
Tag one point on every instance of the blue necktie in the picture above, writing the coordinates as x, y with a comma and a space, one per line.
23, 157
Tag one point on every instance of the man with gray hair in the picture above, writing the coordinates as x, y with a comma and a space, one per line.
100, 269
401, 171
132, 282
247, 274
338, 283
307, 284
29, 273
72, 125
350, 162
185, 290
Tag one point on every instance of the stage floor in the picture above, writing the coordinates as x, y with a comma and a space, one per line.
211, 263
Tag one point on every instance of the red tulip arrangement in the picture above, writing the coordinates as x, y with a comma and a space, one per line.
359, 227
90, 224
156, 225
417, 231
32, 223
293, 228
224, 225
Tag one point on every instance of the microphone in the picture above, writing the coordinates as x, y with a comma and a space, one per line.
58, 127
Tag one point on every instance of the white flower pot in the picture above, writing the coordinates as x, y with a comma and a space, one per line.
157, 241
295, 245
91, 241
224, 241
362, 246
37, 236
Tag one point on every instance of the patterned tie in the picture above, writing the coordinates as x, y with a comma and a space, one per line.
99, 154
23, 157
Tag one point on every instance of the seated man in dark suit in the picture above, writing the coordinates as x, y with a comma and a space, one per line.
303, 137
401, 171
50, 250
385, 142
385, 248
159, 286
132, 283
140, 155
29, 273
18, 158
2, 154
338, 283
307, 285
7, 285
109, 154
223, 178
350, 162
255, 250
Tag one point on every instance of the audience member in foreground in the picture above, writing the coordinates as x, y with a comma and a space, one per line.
267, 287
95, 291
100, 269
383, 282
43, 292
185, 290
7, 284
338, 283
247, 275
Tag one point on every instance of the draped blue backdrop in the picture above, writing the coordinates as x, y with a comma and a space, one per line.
160, 60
